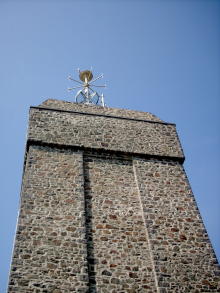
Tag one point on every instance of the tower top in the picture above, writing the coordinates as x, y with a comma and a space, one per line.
86, 75
86, 94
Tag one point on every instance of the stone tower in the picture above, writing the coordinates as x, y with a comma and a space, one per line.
106, 207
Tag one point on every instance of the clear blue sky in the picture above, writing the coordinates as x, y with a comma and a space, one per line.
157, 56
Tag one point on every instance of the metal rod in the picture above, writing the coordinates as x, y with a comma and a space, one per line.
100, 76
74, 80
98, 85
73, 88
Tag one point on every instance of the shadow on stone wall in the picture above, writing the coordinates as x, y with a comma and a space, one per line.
89, 235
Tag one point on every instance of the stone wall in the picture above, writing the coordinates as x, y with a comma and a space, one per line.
98, 110
50, 250
106, 207
119, 246
183, 256
104, 133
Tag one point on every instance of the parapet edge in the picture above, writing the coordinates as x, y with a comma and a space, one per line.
94, 109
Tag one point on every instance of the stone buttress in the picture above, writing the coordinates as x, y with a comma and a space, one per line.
106, 207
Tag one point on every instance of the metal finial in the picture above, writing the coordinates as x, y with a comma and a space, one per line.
86, 95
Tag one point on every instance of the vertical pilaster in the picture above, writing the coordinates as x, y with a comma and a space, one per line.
118, 251
182, 253
50, 250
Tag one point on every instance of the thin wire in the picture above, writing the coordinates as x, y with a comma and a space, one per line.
99, 85
73, 88
100, 76
75, 80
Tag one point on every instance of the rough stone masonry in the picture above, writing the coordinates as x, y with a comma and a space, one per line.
106, 207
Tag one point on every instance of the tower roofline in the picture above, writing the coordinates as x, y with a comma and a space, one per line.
95, 109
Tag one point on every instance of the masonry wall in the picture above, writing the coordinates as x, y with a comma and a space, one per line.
104, 132
106, 207
119, 246
183, 256
50, 250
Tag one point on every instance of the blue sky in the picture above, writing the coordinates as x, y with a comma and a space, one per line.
161, 57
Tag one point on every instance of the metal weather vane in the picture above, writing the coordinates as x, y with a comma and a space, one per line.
86, 94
